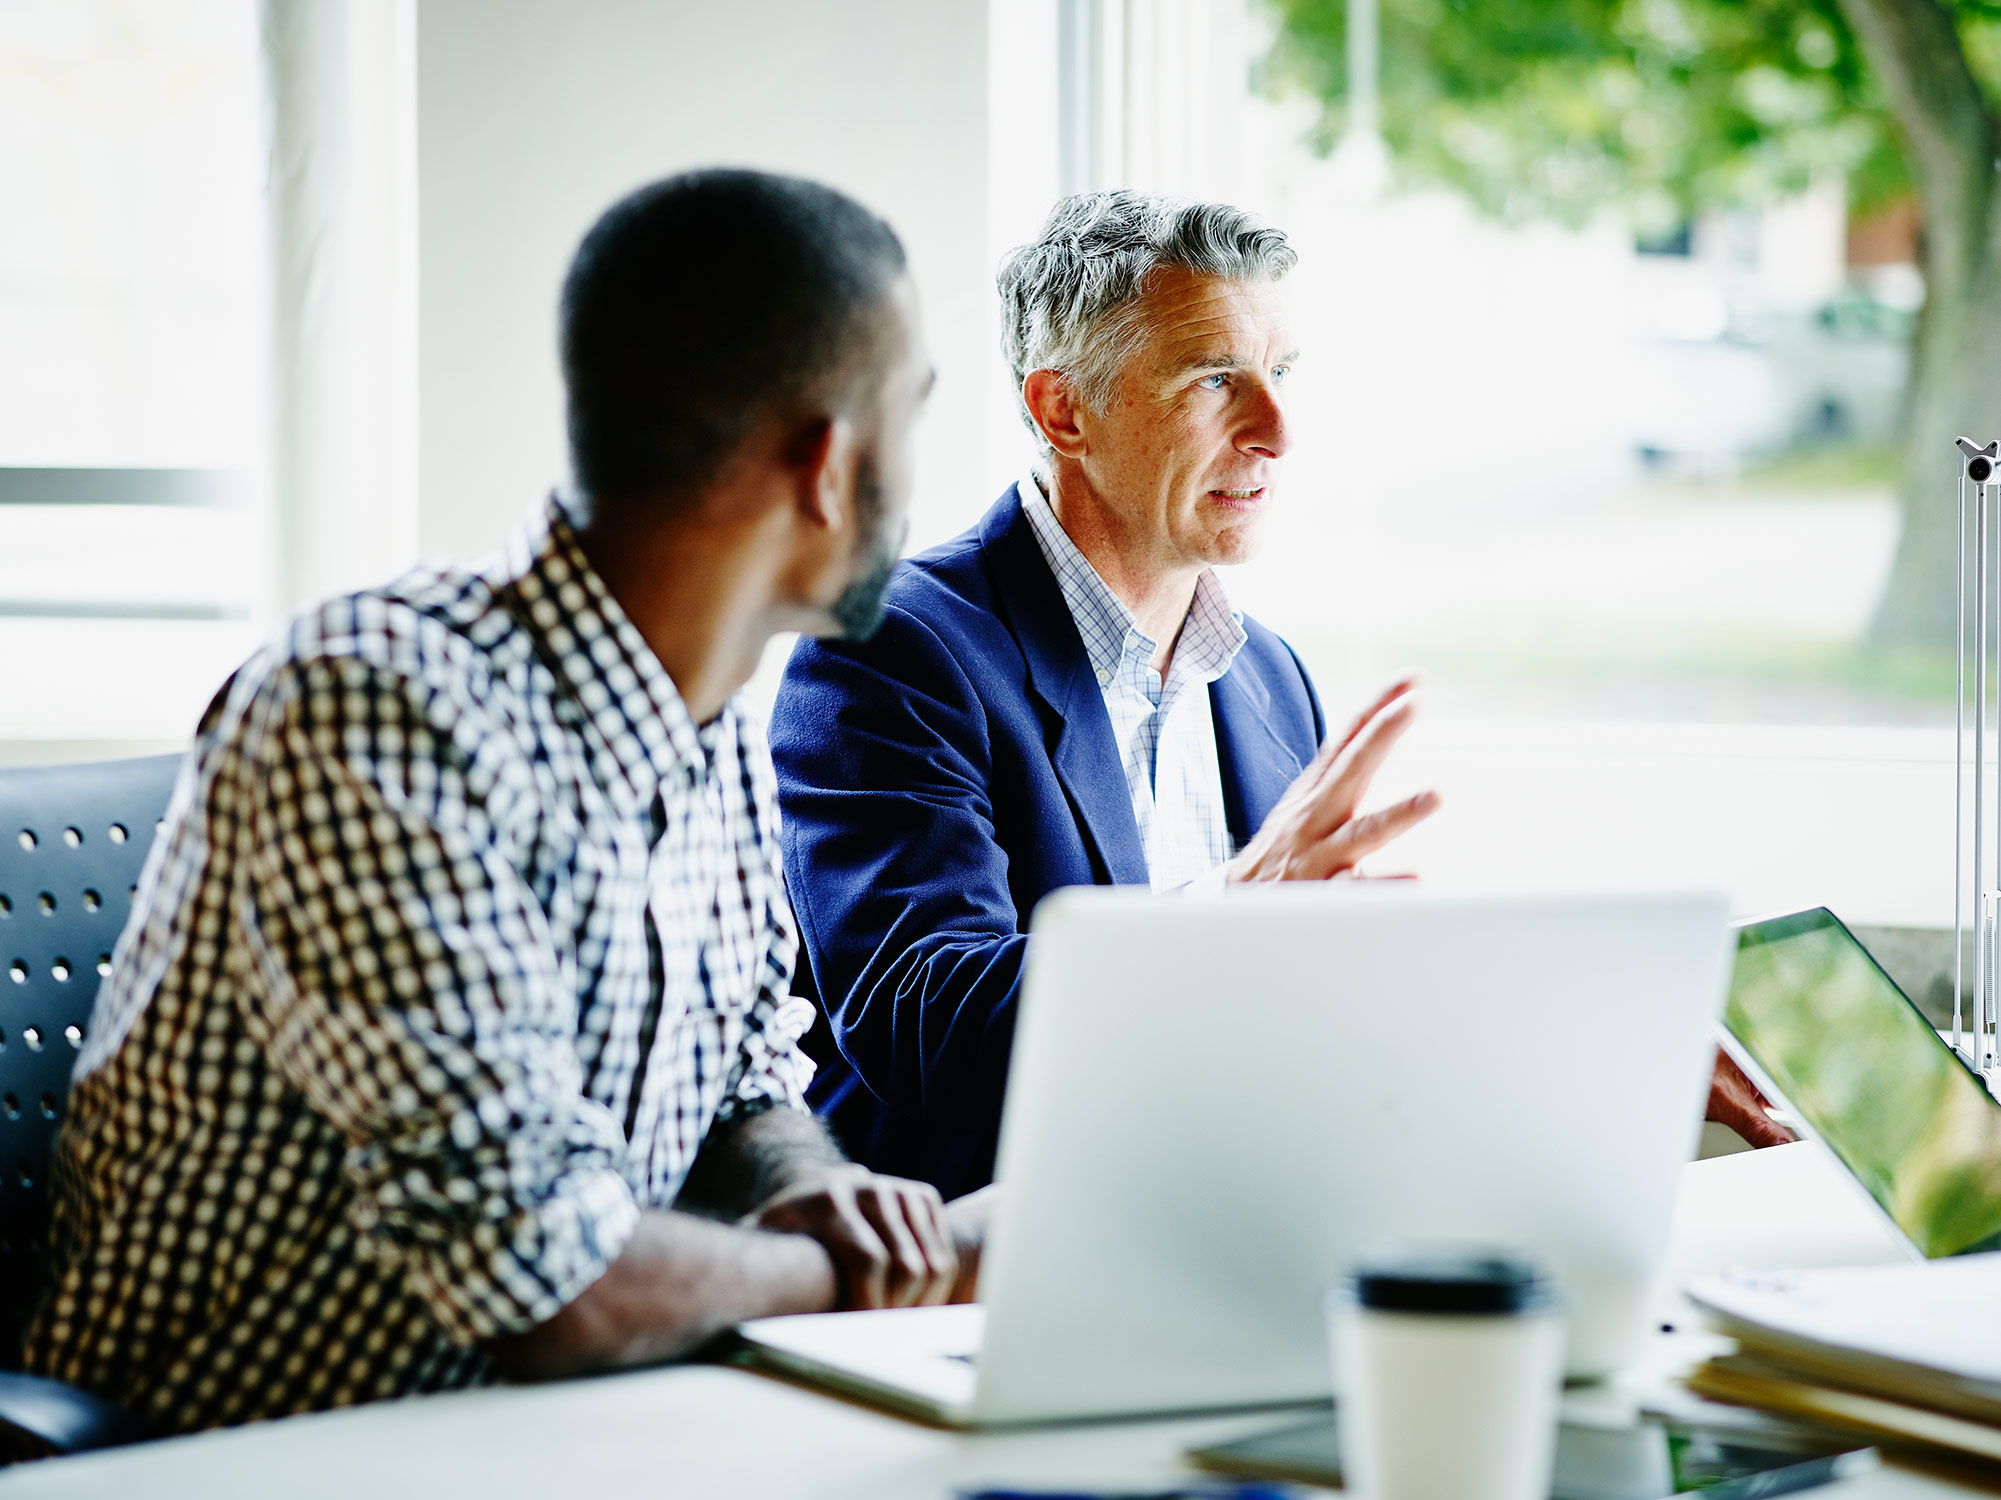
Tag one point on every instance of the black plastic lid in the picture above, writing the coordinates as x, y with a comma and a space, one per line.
1452, 1280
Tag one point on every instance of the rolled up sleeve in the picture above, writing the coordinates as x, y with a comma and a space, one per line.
770, 1067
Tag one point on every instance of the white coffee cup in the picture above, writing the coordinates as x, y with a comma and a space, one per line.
1449, 1369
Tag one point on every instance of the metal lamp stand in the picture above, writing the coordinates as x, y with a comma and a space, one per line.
1978, 884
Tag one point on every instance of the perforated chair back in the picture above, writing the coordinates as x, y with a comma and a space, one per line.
72, 841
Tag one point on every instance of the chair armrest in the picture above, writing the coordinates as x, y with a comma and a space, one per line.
60, 1417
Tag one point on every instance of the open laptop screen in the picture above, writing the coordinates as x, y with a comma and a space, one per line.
1863, 1068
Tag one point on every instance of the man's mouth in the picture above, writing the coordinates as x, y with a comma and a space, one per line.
1250, 499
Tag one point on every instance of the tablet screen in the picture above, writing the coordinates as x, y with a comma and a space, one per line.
1861, 1065
1646, 1461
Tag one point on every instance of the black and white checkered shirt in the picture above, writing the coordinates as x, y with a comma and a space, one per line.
460, 936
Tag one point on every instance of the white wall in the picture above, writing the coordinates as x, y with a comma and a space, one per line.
1024, 154
341, 226
534, 115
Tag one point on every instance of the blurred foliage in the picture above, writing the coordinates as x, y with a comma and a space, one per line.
1654, 108
1829, 468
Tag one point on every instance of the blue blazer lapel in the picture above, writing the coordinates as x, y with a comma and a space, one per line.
1257, 765
1085, 755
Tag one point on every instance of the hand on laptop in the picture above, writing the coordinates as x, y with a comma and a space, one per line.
886, 1236
1313, 832
968, 1218
1735, 1101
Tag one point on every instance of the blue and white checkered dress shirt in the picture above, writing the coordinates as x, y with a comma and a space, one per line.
1165, 731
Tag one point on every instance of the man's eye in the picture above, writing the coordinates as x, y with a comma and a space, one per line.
1279, 372
1213, 382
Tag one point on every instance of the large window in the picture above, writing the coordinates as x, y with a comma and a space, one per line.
131, 407
1626, 496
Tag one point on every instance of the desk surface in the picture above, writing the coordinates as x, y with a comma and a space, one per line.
703, 1430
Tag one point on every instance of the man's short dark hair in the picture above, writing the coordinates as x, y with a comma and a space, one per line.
702, 306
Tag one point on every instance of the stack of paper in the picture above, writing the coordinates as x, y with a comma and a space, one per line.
1907, 1355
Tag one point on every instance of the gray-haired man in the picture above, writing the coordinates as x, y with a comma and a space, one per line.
1063, 694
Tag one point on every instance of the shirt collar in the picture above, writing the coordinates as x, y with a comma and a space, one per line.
1214, 632
1210, 638
644, 731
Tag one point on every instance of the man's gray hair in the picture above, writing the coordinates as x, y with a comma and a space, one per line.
1069, 300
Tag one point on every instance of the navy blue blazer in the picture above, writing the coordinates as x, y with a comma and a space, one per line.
937, 781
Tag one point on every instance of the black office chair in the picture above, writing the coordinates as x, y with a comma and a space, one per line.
72, 841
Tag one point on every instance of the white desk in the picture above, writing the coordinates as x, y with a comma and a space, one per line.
706, 1431
1786, 1206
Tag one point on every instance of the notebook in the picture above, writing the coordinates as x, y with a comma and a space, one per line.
1922, 1333
1900, 1353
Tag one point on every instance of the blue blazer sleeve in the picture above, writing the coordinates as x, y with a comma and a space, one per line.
885, 766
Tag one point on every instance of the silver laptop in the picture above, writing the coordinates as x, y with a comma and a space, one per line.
1822, 1029
1217, 1104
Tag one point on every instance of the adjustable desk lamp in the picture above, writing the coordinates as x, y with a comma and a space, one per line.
1980, 605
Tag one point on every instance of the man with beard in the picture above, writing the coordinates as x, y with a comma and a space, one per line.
451, 1035
1064, 694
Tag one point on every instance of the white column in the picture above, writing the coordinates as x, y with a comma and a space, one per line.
1024, 179
340, 97
1092, 72
1152, 95
1188, 93
1077, 93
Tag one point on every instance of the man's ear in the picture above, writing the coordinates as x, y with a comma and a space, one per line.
828, 460
1052, 401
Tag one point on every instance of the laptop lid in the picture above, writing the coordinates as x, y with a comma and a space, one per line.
1217, 1104
1818, 1025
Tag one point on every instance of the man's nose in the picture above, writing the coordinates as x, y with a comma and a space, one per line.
1265, 433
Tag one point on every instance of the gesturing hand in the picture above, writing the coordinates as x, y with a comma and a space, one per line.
887, 1237
1313, 832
